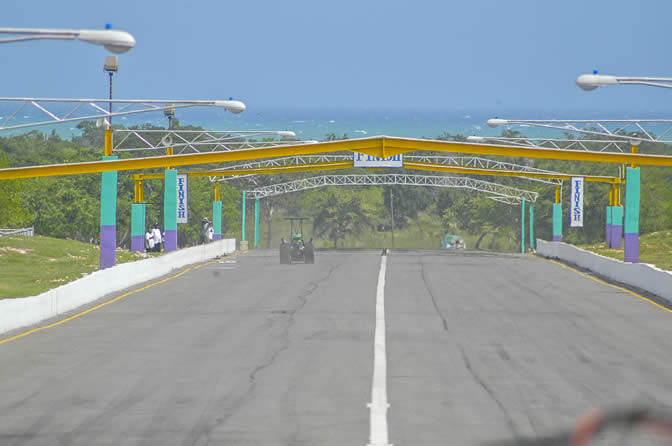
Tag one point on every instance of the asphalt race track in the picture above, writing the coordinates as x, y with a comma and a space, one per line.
246, 351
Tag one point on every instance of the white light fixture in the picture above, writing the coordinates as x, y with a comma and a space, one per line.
113, 40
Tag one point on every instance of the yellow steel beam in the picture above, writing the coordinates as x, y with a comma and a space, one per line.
308, 167
415, 165
504, 173
378, 146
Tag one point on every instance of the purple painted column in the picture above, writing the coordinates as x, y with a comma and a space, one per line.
632, 197
170, 210
607, 227
108, 218
616, 227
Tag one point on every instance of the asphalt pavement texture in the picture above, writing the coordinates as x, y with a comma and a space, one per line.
245, 351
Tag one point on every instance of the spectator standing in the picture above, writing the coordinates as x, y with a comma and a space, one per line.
158, 239
205, 229
149, 241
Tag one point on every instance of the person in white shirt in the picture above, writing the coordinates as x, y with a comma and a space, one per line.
149, 241
158, 240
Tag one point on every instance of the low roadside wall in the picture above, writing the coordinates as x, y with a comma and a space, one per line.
641, 275
25, 311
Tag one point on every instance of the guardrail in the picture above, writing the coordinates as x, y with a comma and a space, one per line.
26, 311
641, 275
22, 231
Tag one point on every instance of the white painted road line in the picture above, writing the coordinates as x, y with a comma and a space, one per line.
379, 405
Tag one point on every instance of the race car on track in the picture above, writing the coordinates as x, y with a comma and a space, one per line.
296, 249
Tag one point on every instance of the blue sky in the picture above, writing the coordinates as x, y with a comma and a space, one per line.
376, 54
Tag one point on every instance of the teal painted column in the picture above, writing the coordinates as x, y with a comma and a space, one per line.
170, 210
256, 222
557, 222
243, 235
138, 216
217, 220
616, 226
632, 196
108, 217
531, 225
522, 226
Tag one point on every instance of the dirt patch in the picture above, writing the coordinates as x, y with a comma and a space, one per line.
19, 250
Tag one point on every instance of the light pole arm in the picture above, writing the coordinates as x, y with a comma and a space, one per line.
113, 40
590, 82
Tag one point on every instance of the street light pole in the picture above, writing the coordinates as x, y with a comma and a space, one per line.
111, 66
115, 41
595, 80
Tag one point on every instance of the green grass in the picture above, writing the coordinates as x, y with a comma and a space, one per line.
32, 265
654, 248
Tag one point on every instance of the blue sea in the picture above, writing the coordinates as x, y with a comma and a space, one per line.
316, 124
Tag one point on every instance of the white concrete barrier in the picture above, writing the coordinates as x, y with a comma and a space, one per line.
25, 311
641, 275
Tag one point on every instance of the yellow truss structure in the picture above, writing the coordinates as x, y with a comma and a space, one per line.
380, 146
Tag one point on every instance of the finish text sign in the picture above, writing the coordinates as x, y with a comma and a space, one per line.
182, 198
576, 203
364, 160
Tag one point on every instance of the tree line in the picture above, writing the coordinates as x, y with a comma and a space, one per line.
69, 207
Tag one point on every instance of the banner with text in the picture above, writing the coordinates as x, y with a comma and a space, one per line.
576, 207
364, 160
182, 198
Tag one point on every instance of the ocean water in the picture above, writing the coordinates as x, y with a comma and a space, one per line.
316, 124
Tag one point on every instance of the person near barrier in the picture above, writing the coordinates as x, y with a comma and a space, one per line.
158, 239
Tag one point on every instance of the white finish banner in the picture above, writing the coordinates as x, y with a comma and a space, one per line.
364, 160
576, 206
182, 198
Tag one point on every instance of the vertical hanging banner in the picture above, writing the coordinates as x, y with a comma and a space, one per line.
182, 198
576, 207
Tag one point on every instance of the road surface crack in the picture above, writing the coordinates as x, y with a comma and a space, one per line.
290, 314
432, 297
481, 382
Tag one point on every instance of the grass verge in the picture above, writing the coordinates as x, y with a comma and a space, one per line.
33, 265
654, 248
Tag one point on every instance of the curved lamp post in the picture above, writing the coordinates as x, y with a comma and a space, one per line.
632, 174
113, 40
592, 81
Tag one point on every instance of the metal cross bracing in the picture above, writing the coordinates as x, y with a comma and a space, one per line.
69, 110
200, 141
412, 160
627, 130
495, 190
379, 146
595, 145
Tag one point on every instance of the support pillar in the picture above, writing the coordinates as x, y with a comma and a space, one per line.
522, 226
607, 227
531, 225
557, 222
138, 216
632, 196
557, 216
616, 227
243, 234
108, 210
217, 215
256, 222
607, 224
170, 210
